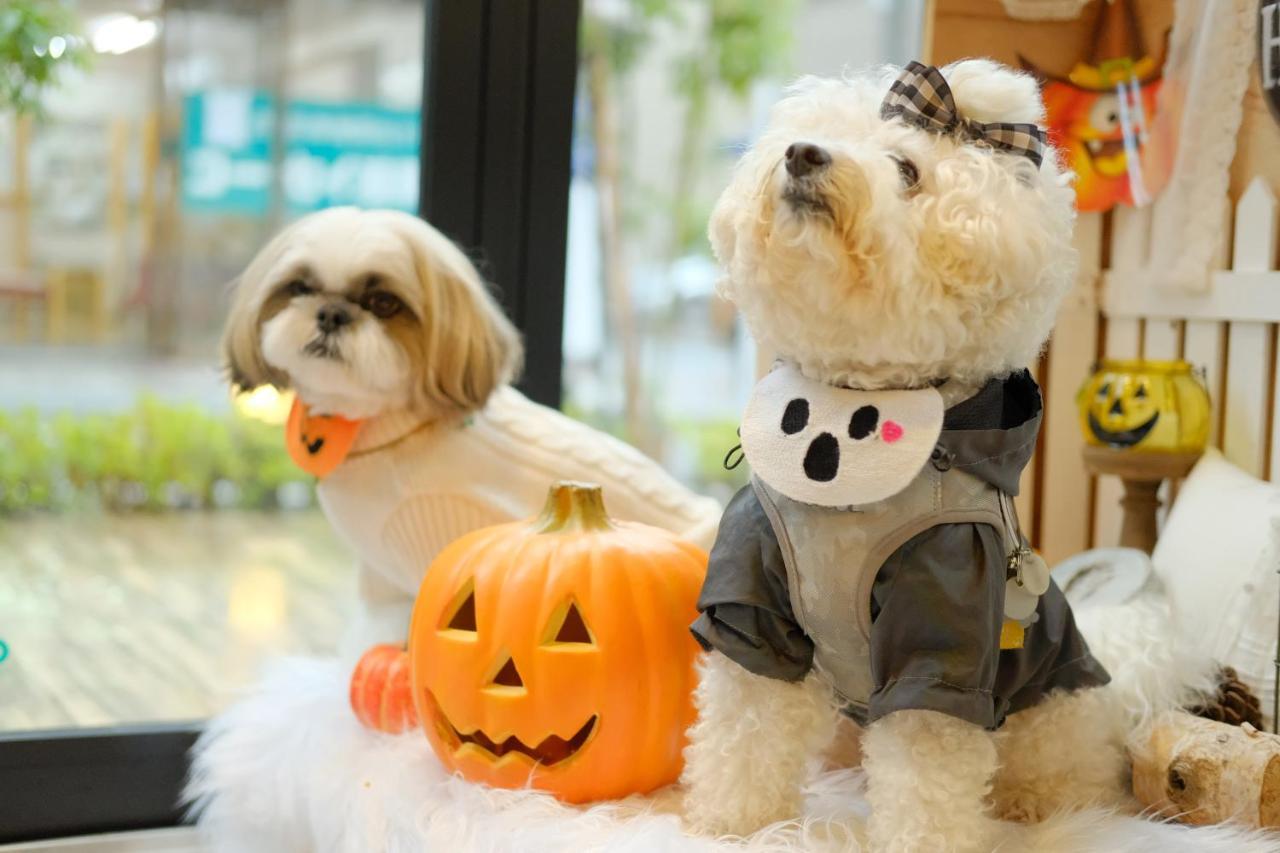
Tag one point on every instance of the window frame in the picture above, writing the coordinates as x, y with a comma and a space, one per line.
81, 781
497, 126
498, 111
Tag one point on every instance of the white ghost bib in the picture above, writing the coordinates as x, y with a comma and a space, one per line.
834, 447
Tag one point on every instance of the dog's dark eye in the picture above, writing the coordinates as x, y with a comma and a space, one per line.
298, 287
908, 172
382, 304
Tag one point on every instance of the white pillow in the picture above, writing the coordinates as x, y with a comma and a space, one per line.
1218, 556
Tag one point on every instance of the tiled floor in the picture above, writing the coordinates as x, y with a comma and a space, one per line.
140, 618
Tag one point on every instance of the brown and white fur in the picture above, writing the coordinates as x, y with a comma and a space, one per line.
411, 322
898, 259
375, 315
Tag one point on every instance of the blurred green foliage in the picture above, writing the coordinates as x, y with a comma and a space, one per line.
27, 65
715, 442
155, 456
709, 441
740, 42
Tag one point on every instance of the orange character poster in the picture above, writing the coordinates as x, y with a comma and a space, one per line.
1102, 114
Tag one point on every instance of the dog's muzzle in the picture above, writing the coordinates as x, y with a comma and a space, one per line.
805, 158
323, 345
331, 319
805, 163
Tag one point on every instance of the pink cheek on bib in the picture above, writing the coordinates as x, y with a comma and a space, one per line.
890, 432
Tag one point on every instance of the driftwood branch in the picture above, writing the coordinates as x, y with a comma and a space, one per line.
1200, 771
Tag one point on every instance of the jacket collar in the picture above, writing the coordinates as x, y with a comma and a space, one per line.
992, 433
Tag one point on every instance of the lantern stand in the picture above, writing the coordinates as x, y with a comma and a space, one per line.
1142, 473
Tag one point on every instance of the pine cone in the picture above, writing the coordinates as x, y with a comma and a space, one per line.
1234, 703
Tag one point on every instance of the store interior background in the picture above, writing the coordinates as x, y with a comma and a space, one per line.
155, 545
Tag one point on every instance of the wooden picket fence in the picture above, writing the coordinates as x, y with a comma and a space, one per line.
1230, 332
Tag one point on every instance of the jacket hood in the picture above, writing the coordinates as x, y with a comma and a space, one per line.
992, 434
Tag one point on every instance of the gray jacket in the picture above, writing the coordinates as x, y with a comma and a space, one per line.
919, 625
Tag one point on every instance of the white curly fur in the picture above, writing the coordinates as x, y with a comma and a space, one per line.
1154, 666
1063, 754
928, 775
742, 717
890, 286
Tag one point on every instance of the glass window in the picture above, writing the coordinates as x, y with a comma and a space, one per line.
669, 93
155, 542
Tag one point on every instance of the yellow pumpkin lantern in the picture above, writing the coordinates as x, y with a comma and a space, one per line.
556, 653
1147, 406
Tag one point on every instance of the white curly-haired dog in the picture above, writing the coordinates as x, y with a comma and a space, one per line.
878, 252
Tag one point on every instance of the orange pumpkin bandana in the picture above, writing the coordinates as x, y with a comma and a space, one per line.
318, 443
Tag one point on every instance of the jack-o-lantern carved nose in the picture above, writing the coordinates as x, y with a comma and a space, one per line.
508, 675
1116, 408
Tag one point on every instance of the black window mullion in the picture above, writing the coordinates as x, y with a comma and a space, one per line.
548, 148
502, 147
497, 180
452, 116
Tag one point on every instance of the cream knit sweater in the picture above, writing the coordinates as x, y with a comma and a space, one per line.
409, 488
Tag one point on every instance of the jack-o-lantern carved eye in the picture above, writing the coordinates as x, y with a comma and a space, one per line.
567, 627
461, 614
1141, 393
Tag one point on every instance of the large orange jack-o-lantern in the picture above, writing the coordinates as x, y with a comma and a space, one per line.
556, 653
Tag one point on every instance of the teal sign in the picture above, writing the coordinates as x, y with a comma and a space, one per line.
334, 153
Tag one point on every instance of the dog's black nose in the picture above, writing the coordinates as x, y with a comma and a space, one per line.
332, 317
804, 158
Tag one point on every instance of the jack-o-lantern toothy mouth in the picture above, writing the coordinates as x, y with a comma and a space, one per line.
551, 750
1122, 438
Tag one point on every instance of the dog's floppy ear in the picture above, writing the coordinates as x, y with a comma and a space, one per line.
470, 347
242, 361
242, 358
988, 91
722, 232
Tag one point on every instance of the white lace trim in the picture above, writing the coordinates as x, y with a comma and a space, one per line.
1210, 54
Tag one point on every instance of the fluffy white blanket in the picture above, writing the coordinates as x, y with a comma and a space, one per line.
289, 769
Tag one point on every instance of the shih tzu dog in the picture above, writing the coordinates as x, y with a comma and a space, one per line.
374, 316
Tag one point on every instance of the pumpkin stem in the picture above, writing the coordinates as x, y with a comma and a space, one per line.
573, 507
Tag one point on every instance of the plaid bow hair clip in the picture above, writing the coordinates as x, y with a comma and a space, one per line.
920, 96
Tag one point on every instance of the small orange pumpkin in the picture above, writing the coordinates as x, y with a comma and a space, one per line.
556, 653
380, 693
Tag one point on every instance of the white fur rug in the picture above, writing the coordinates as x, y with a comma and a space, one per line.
289, 770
